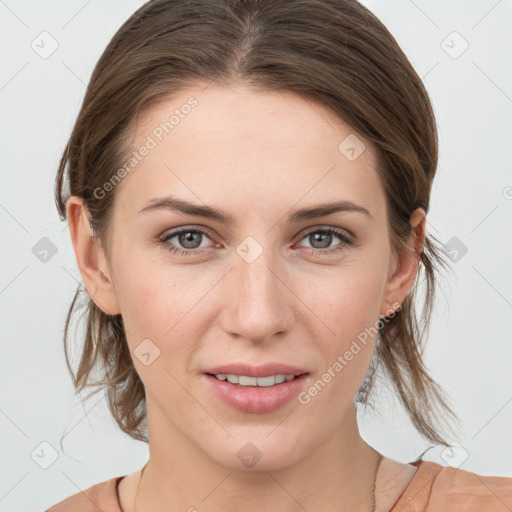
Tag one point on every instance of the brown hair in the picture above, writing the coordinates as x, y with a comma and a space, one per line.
335, 52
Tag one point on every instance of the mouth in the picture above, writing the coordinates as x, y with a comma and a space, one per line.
254, 395
248, 381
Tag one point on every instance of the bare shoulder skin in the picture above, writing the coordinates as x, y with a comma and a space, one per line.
126, 490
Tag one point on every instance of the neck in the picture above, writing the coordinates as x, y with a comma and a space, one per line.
337, 475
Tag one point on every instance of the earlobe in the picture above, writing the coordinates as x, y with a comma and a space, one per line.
90, 257
400, 282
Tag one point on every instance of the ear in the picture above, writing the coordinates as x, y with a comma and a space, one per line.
90, 257
404, 268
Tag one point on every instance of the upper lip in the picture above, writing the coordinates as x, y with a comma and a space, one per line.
256, 371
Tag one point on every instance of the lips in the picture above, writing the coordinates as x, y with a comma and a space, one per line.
255, 399
256, 371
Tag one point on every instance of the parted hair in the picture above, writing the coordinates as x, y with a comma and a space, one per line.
335, 52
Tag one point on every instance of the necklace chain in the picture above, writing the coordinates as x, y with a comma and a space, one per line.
379, 459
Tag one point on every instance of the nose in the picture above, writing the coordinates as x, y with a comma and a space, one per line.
258, 303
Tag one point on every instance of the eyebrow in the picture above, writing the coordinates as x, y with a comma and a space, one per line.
208, 212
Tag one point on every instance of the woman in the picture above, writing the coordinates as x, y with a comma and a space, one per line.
248, 189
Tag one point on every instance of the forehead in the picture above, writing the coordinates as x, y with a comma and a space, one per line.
243, 146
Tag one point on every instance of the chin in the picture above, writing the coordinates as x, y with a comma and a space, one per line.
255, 450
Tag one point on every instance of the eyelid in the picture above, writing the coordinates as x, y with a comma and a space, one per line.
313, 229
192, 227
303, 233
346, 240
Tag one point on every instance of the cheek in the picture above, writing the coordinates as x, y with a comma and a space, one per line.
348, 306
162, 304
143, 300
351, 310
147, 287
348, 302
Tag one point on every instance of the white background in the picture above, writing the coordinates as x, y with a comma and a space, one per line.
469, 350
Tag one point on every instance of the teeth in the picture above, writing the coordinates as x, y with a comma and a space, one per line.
244, 380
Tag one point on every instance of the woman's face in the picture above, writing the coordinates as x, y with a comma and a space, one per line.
269, 286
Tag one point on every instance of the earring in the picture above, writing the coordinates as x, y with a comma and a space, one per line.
394, 310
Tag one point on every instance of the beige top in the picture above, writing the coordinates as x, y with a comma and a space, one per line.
433, 488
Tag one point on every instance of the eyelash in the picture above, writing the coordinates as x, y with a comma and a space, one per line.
346, 241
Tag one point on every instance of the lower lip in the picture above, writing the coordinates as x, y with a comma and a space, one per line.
257, 399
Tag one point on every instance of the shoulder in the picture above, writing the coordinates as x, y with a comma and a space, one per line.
101, 497
436, 488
